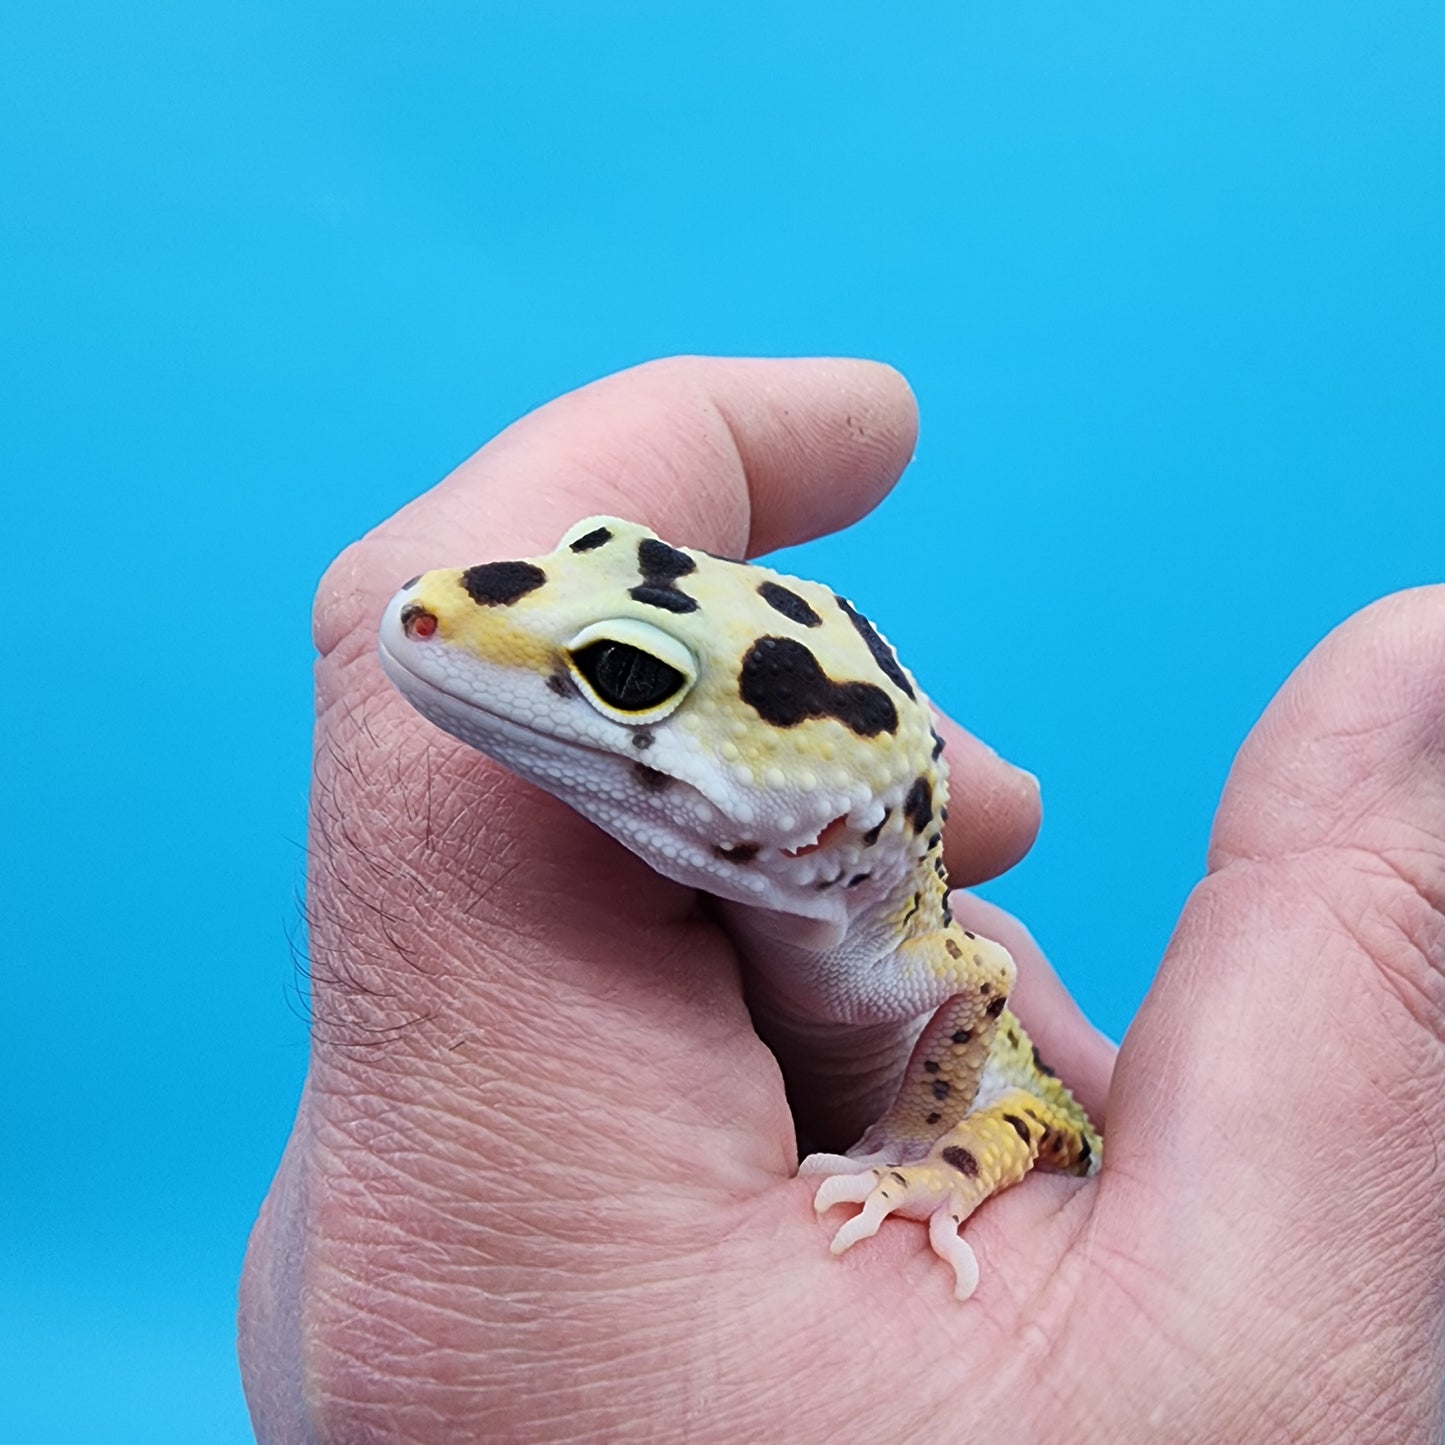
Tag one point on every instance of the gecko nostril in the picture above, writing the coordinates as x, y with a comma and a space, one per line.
417, 622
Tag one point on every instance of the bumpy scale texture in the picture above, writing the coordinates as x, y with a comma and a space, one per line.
752, 735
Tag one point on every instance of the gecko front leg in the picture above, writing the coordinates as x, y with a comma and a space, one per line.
975, 1112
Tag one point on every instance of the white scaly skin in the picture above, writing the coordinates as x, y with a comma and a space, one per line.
750, 735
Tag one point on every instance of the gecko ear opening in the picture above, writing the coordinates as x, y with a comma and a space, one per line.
630, 671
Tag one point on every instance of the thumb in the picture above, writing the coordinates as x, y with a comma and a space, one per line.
1278, 1106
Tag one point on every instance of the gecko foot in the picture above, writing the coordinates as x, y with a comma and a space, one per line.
919, 1191
988, 1150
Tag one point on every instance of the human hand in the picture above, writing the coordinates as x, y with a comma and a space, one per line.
540, 1182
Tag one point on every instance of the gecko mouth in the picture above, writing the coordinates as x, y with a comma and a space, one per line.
705, 832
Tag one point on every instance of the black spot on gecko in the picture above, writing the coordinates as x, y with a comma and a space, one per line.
871, 836
739, 852
661, 563
597, 537
858, 878
933, 1118
934, 839
1041, 1066
961, 1036
784, 600
967, 934
952, 949
651, 779
499, 584
1086, 1152
669, 599
941, 1089
407, 586
661, 567
995, 1008
1019, 1127
937, 745
961, 1160
930, 1066
783, 682
561, 683
642, 740
894, 1174
882, 653
918, 805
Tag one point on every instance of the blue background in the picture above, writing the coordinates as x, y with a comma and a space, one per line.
1167, 281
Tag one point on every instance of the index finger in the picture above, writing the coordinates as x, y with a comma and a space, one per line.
734, 456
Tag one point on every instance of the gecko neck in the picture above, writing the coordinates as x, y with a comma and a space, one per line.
831, 1006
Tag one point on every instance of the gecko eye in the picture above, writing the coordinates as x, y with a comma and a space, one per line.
626, 677
631, 671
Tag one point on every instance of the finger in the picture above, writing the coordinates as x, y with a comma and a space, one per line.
1279, 1098
993, 808
736, 456
1068, 1044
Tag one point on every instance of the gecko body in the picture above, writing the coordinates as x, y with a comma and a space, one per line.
753, 736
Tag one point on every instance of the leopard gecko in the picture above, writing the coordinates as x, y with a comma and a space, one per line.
752, 735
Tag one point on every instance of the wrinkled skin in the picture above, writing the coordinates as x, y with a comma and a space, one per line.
540, 1183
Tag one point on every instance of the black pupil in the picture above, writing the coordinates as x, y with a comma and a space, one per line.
626, 677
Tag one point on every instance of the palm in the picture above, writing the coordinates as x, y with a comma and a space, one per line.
542, 1177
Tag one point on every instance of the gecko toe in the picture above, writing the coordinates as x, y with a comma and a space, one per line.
844, 1189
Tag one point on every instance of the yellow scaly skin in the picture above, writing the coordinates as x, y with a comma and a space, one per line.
751, 735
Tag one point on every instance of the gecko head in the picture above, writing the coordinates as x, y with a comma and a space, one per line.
701, 710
